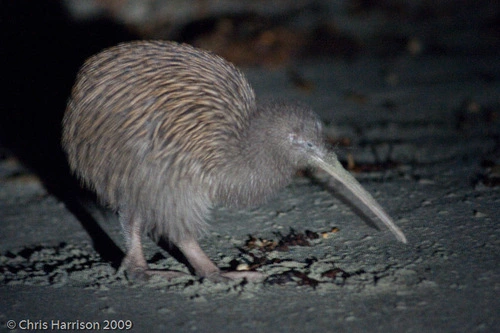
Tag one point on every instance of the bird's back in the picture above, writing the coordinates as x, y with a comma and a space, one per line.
139, 110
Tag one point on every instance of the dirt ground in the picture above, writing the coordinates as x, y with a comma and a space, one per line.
423, 137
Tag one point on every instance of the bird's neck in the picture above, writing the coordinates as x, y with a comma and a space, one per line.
257, 169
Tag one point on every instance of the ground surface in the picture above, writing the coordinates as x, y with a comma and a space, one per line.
424, 135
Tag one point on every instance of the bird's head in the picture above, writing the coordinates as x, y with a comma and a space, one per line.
293, 136
291, 132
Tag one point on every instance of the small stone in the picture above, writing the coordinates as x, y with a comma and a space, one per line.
108, 310
479, 214
425, 181
242, 267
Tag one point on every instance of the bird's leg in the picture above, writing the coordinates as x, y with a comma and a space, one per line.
136, 267
134, 263
204, 267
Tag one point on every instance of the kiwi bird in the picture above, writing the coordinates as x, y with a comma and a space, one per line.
163, 132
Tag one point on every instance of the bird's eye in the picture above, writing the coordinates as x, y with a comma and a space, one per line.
310, 145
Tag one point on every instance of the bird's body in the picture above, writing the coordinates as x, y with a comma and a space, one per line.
163, 132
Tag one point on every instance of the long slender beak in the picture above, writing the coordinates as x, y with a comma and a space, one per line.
330, 163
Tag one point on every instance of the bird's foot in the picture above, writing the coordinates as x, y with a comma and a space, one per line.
204, 267
226, 276
138, 271
143, 275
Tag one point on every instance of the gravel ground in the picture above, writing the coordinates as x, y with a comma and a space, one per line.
424, 135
